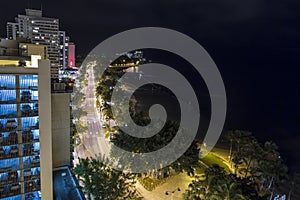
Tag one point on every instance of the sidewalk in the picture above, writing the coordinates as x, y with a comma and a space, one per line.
181, 181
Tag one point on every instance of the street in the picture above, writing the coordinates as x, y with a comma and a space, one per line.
93, 140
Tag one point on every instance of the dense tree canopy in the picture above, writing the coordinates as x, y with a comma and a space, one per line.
218, 185
187, 162
103, 182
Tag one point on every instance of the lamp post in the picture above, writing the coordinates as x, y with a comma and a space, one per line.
172, 193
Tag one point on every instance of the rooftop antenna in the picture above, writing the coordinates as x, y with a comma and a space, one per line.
42, 6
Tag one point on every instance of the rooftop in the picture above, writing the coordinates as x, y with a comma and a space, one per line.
65, 185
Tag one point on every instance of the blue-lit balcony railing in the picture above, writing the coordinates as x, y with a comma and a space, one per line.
9, 152
10, 177
9, 165
32, 185
31, 177
11, 87
30, 123
31, 162
29, 137
8, 138
28, 112
8, 101
8, 115
33, 196
7, 81
19, 109
10, 190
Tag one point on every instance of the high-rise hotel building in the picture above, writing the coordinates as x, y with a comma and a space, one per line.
25, 164
38, 29
63, 47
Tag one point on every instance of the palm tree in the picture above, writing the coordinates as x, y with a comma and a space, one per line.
83, 172
230, 137
240, 137
187, 162
103, 182
202, 189
271, 169
217, 185
79, 98
237, 160
237, 139
250, 153
197, 190
228, 191
294, 184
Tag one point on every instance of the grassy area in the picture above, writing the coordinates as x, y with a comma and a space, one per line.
211, 159
200, 169
151, 183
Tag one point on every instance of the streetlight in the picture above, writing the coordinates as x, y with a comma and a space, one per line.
172, 192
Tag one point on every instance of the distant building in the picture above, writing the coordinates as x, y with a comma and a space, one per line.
71, 55
12, 30
64, 49
41, 30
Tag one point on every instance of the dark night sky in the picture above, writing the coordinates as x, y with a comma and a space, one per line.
255, 44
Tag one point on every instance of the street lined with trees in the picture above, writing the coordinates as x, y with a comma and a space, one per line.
256, 170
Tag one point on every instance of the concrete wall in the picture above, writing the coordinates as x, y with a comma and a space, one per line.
45, 129
34, 49
60, 129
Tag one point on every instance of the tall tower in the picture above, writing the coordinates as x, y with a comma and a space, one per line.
12, 30
34, 124
64, 47
38, 30
25, 132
